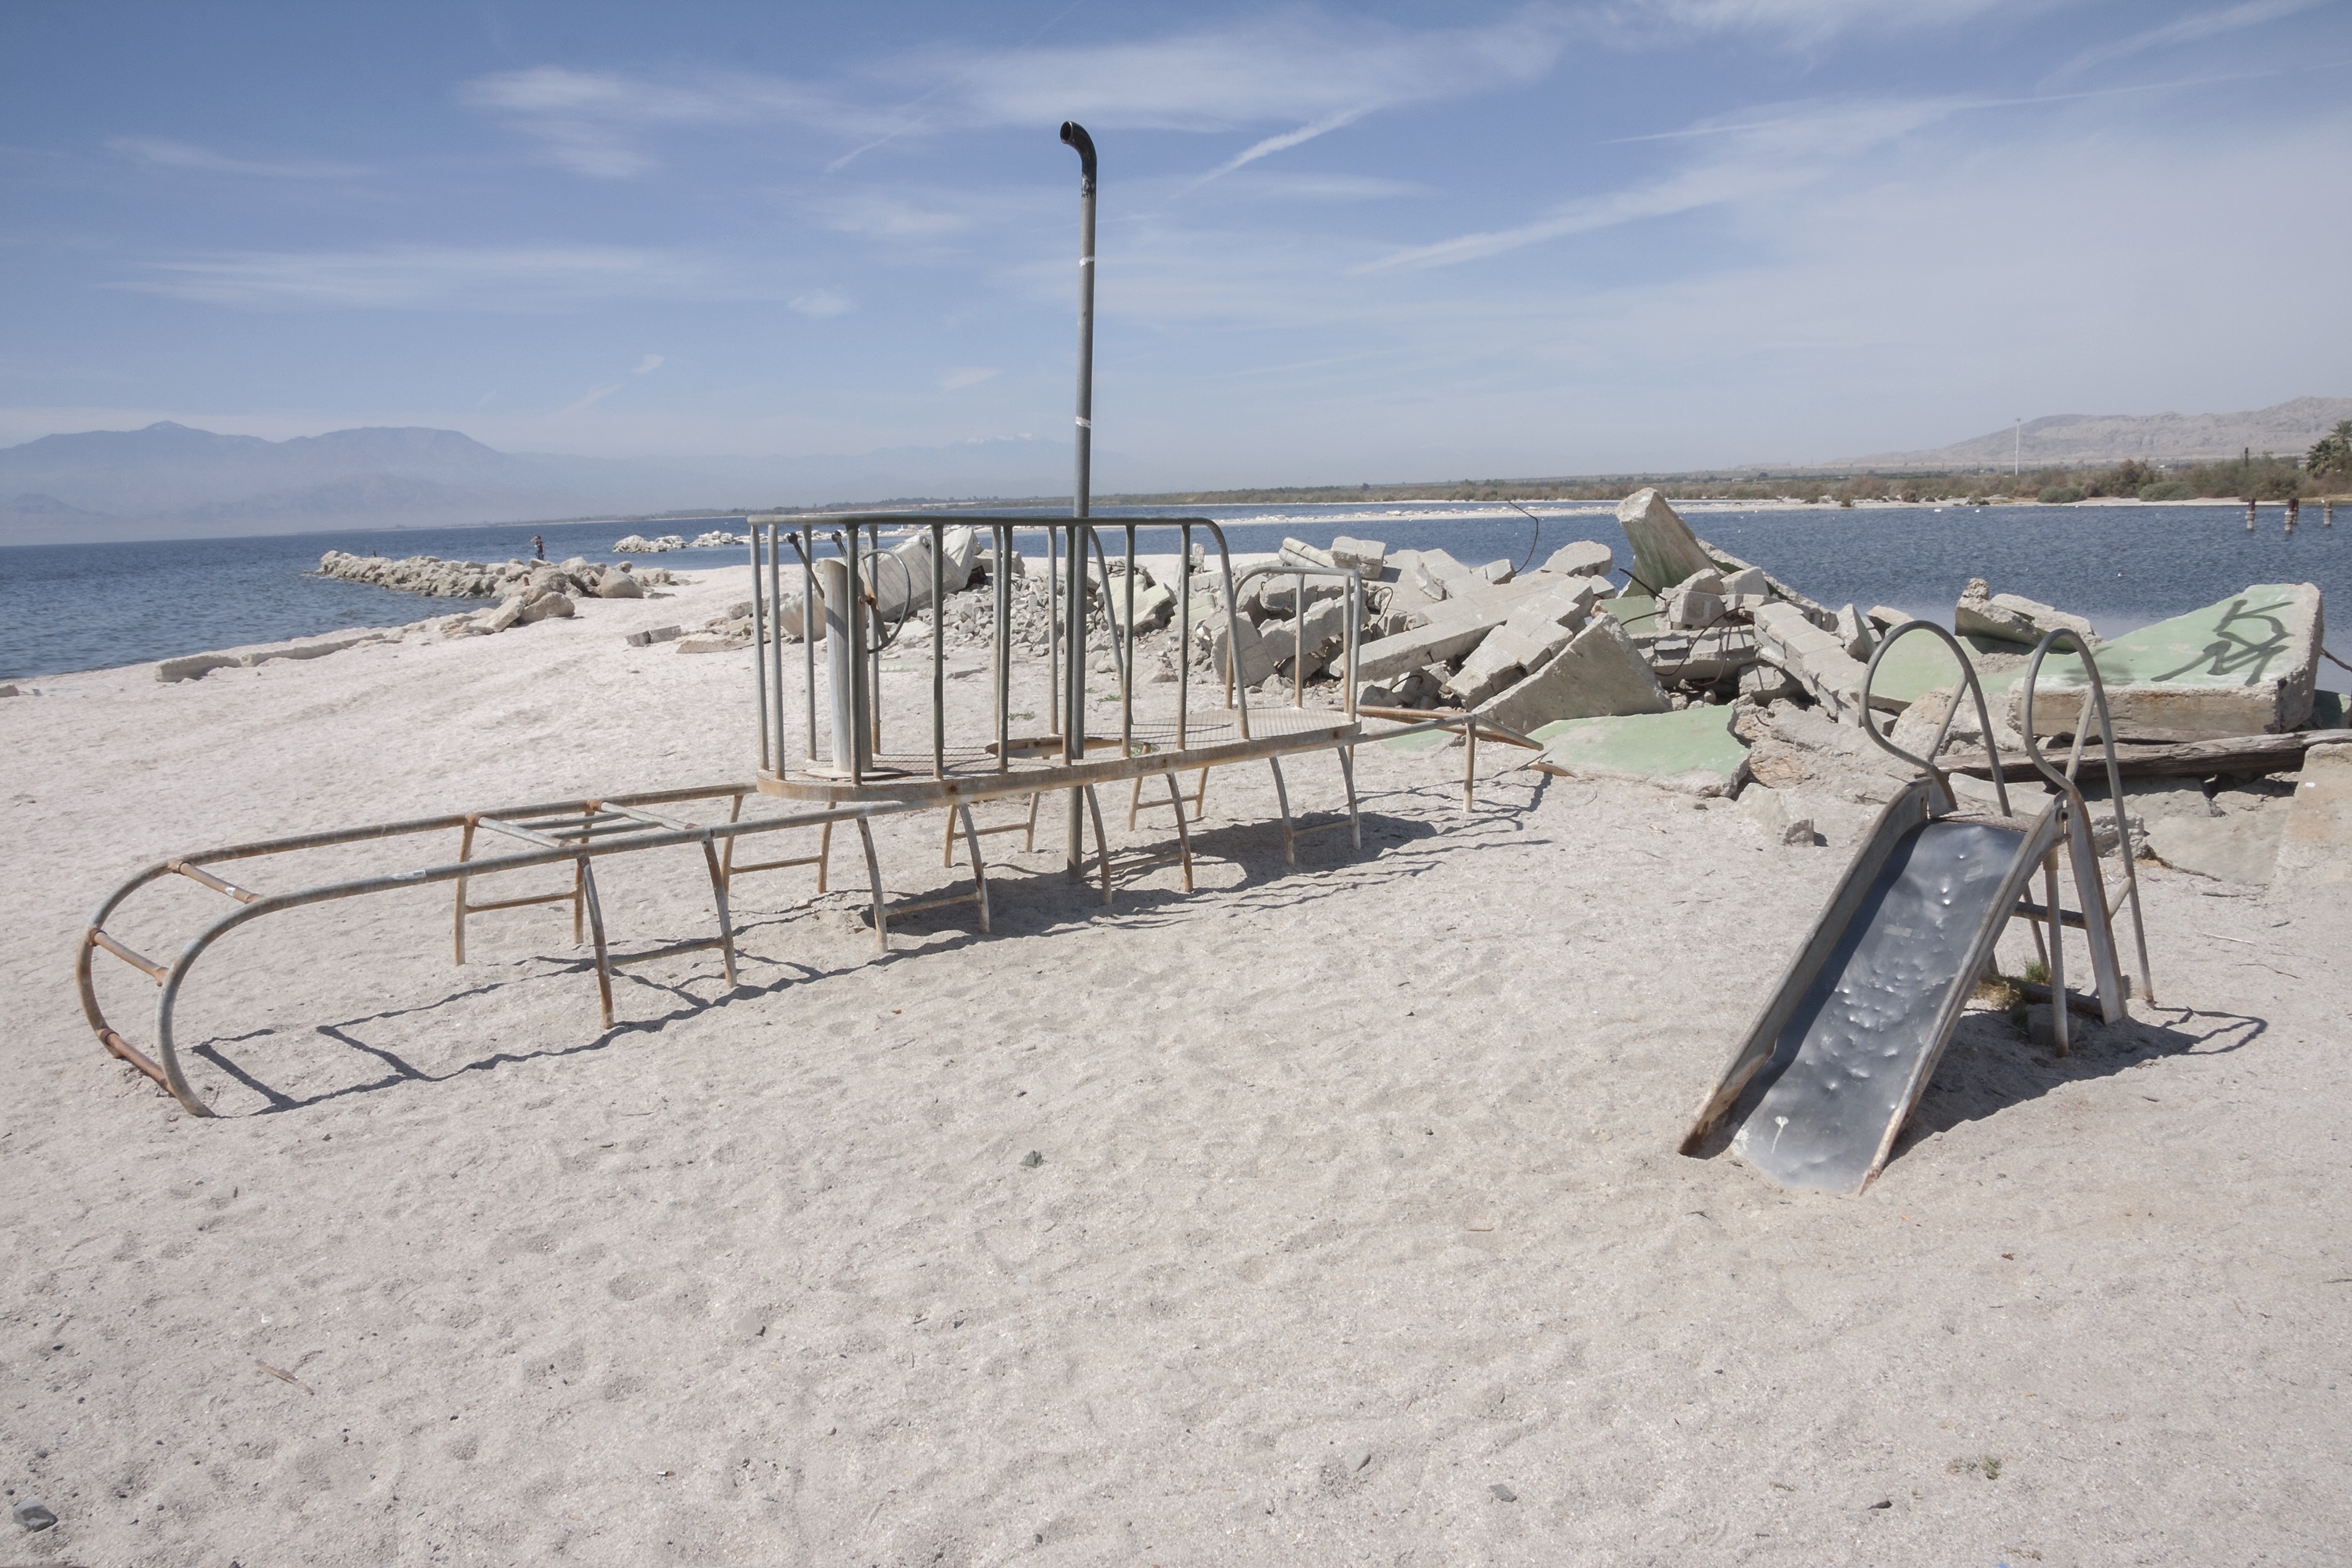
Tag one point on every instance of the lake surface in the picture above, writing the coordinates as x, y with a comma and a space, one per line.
86, 607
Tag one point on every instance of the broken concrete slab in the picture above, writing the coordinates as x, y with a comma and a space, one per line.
1155, 606
1256, 662
1691, 750
1700, 658
1768, 809
2235, 847
1540, 626
1637, 613
1818, 660
1303, 553
2315, 845
1584, 558
1919, 664
1665, 551
193, 667
1855, 633
1802, 749
2246, 665
1368, 558
1695, 602
1599, 673
1915, 726
1727, 561
2012, 618
1762, 683
1321, 632
1451, 629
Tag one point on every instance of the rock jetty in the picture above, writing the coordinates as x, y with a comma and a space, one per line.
440, 579
638, 544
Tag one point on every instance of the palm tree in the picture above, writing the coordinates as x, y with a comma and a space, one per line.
2331, 456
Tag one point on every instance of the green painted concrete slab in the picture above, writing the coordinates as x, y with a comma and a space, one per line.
1635, 612
2243, 640
1921, 663
1695, 740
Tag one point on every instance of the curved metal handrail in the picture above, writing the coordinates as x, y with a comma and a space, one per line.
171, 977
2095, 701
1976, 689
1353, 582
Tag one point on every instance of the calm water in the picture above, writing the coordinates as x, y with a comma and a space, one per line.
84, 607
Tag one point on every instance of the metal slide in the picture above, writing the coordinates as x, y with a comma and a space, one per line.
1835, 1063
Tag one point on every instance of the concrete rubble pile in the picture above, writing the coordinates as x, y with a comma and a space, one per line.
638, 544
527, 590
1703, 673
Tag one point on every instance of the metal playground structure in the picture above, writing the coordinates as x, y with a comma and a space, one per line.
844, 590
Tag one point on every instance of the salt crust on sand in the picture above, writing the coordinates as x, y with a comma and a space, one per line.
1357, 1195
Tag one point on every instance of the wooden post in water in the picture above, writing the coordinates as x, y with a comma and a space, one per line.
2293, 512
2250, 515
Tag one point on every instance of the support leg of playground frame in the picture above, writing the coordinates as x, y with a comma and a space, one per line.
1183, 833
1348, 775
726, 922
1029, 843
1282, 803
2058, 1024
585, 879
874, 878
1201, 796
465, 852
1102, 844
979, 867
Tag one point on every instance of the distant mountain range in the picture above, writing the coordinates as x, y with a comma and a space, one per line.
2287, 429
168, 481
171, 481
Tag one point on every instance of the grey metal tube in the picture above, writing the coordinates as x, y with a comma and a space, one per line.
841, 665
760, 653
938, 652
1075, 136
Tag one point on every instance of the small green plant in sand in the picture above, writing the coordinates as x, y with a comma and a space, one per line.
1988, 1466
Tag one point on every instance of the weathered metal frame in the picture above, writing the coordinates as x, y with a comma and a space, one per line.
1079, 565
629, 827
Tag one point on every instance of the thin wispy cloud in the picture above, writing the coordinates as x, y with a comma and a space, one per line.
966, 375
2189, 30
647, 365
889, 217
1811, 22
823, 304
1295, 67
589, 402
158, 153
434, 277
593, 122
1756, 158
1283, 142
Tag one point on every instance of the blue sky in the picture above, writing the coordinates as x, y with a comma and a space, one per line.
1339, 243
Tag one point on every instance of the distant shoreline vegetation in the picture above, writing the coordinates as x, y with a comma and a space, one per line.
2324, 470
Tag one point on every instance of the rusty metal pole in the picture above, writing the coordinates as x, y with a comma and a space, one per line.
1073, 726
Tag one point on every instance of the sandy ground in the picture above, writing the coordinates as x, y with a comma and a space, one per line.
1357, 1196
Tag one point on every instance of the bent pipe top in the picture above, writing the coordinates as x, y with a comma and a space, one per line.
1074, 135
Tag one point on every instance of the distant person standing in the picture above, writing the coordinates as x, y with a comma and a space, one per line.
538, 547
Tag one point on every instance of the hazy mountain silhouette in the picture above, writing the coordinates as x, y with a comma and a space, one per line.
169, 481
2287, 429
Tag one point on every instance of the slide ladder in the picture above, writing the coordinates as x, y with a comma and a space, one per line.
1836, 1061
